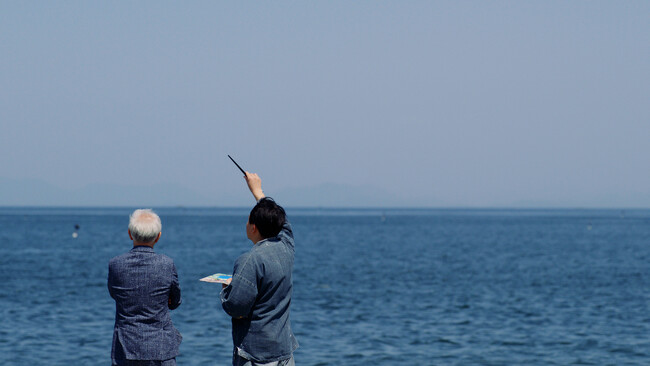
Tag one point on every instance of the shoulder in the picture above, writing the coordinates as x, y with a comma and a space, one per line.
164, 258
118, 264
118, 259
245, 257
262, 252
247, 263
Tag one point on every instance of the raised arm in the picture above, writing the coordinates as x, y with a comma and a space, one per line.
255, 185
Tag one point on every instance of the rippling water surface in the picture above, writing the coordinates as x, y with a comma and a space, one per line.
371, 287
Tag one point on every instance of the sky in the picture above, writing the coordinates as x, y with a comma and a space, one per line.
368, 103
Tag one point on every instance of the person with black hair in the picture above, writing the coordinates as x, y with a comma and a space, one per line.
258, 296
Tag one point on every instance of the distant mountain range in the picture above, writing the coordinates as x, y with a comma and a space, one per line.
39, 193
339, 195
32, 192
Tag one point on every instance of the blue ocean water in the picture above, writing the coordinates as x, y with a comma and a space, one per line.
371, 287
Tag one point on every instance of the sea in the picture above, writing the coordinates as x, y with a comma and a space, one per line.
371, 286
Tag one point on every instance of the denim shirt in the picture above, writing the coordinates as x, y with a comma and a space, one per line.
258, 300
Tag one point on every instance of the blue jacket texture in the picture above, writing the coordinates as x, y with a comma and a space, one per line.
145, 287
258, 300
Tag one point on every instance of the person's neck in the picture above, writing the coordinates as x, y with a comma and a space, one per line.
136, 244
258, 239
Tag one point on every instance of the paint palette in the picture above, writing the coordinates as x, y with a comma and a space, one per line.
217, 278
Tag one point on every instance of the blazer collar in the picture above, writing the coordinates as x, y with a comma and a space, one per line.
142, 248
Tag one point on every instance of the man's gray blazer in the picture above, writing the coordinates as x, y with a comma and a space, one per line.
145, 286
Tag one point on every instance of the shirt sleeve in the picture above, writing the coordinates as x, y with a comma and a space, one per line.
175, 290
286, 234
238, 298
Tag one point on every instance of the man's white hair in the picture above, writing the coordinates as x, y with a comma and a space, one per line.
144, 225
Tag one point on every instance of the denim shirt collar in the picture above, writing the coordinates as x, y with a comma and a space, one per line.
261, 242
266, 241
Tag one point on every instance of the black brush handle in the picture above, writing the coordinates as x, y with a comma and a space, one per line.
233, 160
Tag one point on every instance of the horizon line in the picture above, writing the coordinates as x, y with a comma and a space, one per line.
308, 207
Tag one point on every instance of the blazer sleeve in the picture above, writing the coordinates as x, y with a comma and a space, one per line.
110, 281
175, 290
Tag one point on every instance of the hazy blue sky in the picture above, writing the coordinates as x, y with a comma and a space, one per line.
470, 103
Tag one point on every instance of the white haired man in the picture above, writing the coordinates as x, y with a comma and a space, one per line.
145, 287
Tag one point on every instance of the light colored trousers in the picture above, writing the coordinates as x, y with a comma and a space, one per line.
240, 361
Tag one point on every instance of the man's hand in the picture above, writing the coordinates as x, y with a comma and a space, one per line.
255, 185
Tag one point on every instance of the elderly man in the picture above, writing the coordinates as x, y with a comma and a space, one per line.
145, 286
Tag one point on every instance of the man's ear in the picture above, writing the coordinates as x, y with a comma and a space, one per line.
157, 238
130, 234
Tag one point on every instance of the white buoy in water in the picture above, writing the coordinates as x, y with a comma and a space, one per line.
74, 235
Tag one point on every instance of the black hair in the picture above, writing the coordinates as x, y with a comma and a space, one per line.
268, 217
